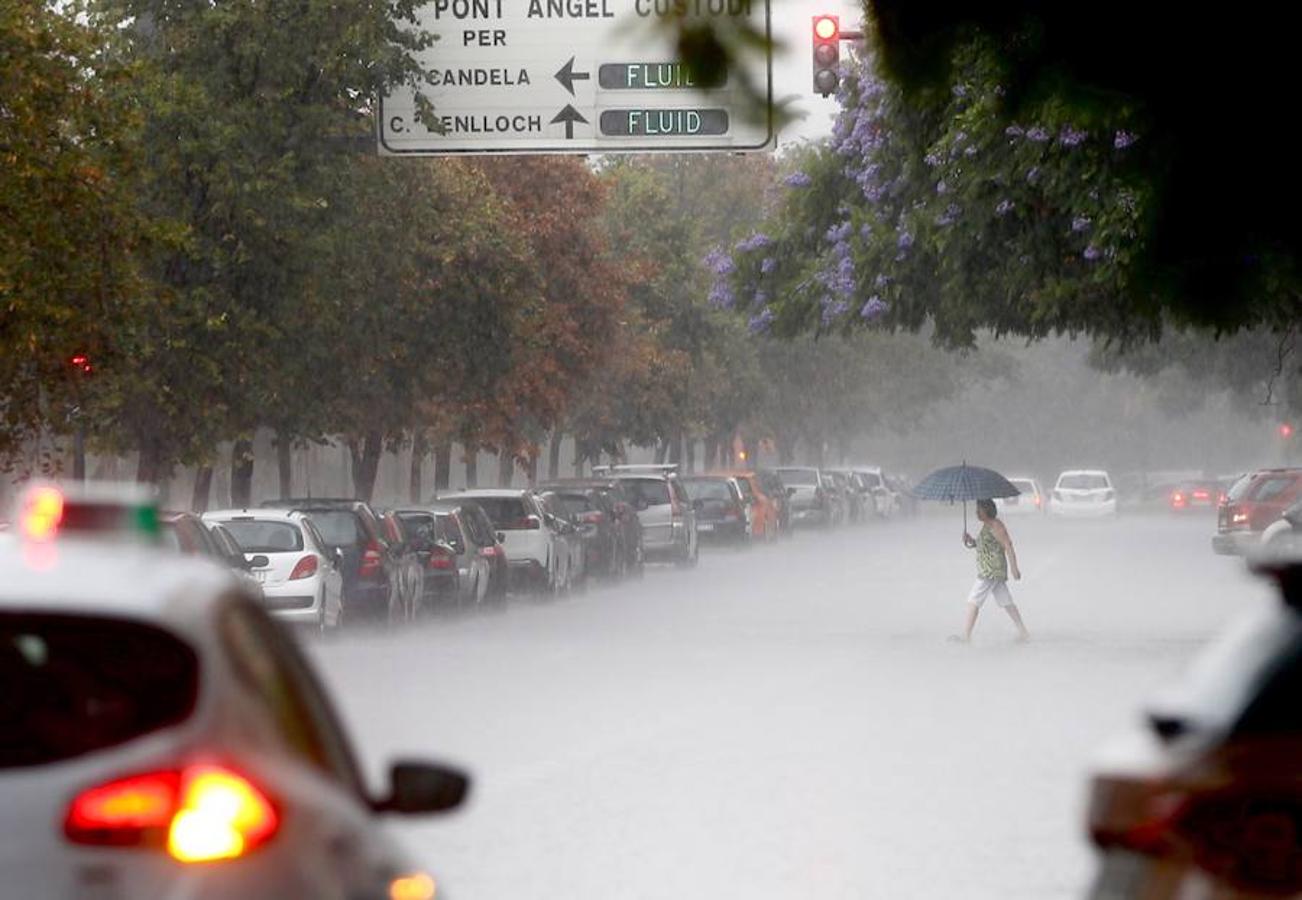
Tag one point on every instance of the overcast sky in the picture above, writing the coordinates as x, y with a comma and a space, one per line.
792, 67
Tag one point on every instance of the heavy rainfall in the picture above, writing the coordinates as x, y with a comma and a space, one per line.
814, 452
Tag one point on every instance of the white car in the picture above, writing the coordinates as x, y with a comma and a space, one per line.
1083, 493
1030, 501
886, 502
286, 553
164, 737
538, 556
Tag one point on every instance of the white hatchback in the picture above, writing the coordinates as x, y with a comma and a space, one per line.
164, 737
539, 559
1029, 502
1083, 493
299, 574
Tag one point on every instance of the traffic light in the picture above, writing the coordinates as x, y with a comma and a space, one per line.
827, 54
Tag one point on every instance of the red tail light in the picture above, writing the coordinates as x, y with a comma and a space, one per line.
201, 814
372, 559
490, 552
1201, 495
304, 568
595, 517
442, 558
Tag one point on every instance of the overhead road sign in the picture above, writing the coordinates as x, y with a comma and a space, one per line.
577, 76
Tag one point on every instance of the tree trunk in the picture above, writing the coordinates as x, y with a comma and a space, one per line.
419, 449
472, 466
242, 474
442, 465
366, 463
786, 449
554, 455
752, 453
676, 449
505, 468
531, 471
711, 452
285, 463
149, 465
202, 493
662, 450
691, 455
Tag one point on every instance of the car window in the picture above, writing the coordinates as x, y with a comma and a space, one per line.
74, 685
339, 527
1083, 482
419, 526
799, 477
506, 513
1026, 487
871, 479
317, 539
709, 489
1239, 488
574, 504
450, 531
267, 662
743, 485
477, 525
265, 537
650, 491
1270, 488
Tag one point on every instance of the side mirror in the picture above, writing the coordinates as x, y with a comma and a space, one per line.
501, 537
791, 492
417, 787
259, 562
698, 505
339, 558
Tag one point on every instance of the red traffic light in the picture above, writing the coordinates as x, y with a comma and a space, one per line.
826, 27
1286, 430
826, 52
81, 362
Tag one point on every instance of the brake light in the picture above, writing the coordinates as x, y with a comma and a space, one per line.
372, 559
304, 568
1201, 495
41, 514
1177, 499
442, 558
201, 814
490, 552
596, 517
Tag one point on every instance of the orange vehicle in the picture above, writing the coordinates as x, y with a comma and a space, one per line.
763, 510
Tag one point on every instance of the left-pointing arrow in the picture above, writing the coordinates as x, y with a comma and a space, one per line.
569, 115
567, 76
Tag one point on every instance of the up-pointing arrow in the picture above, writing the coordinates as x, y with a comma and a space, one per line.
569, 115
567, 76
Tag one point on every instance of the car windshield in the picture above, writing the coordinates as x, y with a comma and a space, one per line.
506, 513
1022, 485
265, 537
573, 504
708, 489
77, 685
1083, 482
648, 491
340, 528
798, 477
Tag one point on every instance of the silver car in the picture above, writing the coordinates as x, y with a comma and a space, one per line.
664, 509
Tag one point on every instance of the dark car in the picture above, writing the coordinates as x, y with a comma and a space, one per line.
593, 511
1206, 801
457, 553
192, 536
369, 566
720, 508
775, 490
623, 518
1252, 505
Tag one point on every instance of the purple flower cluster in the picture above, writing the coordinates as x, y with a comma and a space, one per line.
718, 262
1033, 175
757, 241
1081, 223
760, 322
932, 159
1038, 134
942, 187
875, 308
838, 233
1071, 137
1092, 253
1123, 139
798, 180
949, 216
1004, 207
768, 265
905, 240
721, 295
833, 310
1014, 131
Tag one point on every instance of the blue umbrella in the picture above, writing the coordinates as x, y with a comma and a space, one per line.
964, 483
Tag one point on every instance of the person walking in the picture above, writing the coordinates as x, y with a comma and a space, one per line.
995, 558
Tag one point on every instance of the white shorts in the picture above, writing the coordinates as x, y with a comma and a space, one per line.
986, 587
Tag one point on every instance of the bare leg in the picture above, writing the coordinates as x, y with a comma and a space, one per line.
972, 610
1016, 616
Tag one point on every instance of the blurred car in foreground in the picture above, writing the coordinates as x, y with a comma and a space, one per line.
664, 509
1253, 505
369, 567
162, 736
721, 512
1206, 801
298, 573
1083, 493
1029, 502
1194, 495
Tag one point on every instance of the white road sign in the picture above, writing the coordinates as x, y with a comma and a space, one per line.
574, 76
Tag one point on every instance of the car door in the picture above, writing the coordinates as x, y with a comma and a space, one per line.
334, 576
339, 847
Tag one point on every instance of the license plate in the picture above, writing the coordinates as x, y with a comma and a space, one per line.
705, 527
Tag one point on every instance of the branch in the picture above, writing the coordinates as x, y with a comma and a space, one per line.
1287, 341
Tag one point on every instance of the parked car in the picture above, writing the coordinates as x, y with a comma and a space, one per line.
298, 573
410, 565
722, 513
857, 501
813, 500
1083, 493
765, 516
664, 509
538, 561
186, 533
569, 536
1029, 502
233, 558
1206, 800
1252, 505
593, 510
460, 555
164, 737
1193, 495
771, 484
622, 517
370, 567
885, 499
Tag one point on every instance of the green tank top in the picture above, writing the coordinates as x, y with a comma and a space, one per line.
991, 561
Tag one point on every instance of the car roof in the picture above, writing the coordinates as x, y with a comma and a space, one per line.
261, 515
1082, 472
86, 577
311, 503
474, 493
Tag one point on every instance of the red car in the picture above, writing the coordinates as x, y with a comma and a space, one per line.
1252, 505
